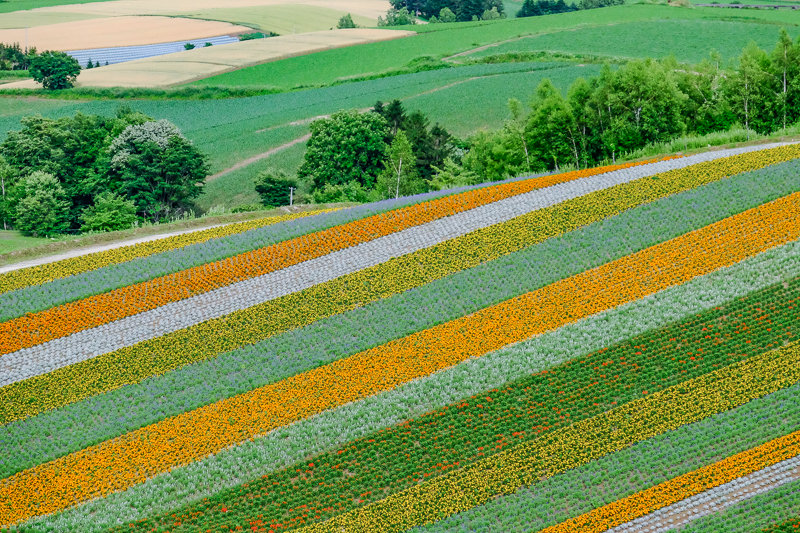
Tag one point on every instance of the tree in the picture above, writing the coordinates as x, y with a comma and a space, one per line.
446, 15
452, 175
55, 70
110, 212
348, 146
784, 61
73, 149
400, 175
346, 22
746, 87
7, 180
154, 165
188, 46
397, 17
551, 131
274, 188
41, 206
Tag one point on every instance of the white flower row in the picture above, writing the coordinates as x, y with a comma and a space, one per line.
329, 429
86, 344
714, 500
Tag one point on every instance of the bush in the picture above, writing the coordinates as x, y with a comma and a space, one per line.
41, 206
188, 46
447, 15
344, 192
110, 212
346, 22
397, 17
274, 188
55, 70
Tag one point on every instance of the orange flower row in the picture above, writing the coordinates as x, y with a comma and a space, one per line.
570, 447
682, 487
63, 320
35, 275
132, 458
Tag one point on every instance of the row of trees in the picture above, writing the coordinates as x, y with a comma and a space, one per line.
389, 152
535, 8
641, 103
462, 10
94, 173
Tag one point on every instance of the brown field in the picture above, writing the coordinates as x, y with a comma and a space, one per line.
117, 31
365, 8
190, 65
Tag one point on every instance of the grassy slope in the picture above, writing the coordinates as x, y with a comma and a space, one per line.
687, 40
440, 40
282, 19
11, 241
16, 5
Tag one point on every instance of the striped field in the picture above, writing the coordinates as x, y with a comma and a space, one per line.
609, 349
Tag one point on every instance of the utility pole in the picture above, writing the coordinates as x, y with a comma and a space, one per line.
291, 195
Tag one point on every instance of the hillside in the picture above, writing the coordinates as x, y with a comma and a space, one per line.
469, 359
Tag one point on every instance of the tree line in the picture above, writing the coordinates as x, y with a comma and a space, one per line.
536, 8
360, 157
641, 103
459, 10
95, 173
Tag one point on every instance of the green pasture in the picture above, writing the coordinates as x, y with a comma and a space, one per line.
29, 19
687, 40
233, 130
11, 241
9, 6
442, 40
280, 19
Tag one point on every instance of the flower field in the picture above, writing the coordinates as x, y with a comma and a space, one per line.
610, 349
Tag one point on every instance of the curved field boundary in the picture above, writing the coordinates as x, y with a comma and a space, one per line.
235, 372
209, 339
667, 504
131, 459
576, 445
123, 252
102, 309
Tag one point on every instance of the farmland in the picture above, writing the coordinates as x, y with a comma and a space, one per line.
480, 358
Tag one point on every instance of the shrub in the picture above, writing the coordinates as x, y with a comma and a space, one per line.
110, 212
274, 188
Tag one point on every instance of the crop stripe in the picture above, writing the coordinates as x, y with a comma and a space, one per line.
683, 487
206, 340
575, 445
63, 320
132, 458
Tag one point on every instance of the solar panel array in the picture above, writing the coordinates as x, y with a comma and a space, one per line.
121, 54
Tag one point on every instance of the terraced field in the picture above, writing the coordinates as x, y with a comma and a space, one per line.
610, 349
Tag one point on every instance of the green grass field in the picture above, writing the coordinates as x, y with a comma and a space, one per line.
283, 19
8, 6
441, 40
11, 241
687, 40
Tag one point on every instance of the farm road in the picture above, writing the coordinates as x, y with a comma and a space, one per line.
304, 138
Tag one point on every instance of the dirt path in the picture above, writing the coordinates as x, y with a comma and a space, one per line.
94, 248
259, 157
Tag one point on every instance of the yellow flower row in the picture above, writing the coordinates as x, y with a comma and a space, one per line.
36, 275
576, 445
69, 318
134, 363
132, 458
682, 487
